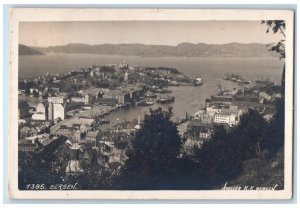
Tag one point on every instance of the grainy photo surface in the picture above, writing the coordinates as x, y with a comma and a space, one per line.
143, 105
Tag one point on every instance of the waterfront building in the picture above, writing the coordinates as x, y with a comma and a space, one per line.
244, 106
106, 101
247, 98
226, 118
222, 99
211, 110
199, 113
123, 97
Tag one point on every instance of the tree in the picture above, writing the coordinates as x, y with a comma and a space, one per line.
277, 26
220, 158
155, 150
275, 138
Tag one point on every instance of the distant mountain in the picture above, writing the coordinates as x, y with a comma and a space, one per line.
25, 50
180, 50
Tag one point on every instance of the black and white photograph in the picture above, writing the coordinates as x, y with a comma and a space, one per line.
199, 103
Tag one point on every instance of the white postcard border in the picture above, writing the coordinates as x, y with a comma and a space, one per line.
30, 14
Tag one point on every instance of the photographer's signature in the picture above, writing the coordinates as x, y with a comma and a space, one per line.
248, 188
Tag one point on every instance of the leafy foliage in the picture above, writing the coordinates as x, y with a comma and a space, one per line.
276, 26
221, 158
155, 150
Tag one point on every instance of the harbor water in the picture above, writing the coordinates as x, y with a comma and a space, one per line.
188, 99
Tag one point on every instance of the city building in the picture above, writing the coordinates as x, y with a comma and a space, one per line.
211, 110
56, 110
204, 133
25, 145
225, 118
222, 99
106, 101
86, 99
63, 131
56, 100
196, 129
41, 113
76, 135
265, 96
50, 111
247, 98
91, 137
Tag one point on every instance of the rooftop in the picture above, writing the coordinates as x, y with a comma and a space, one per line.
92, 134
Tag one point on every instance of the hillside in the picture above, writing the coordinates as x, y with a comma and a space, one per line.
180, 50
25, 50
262, 173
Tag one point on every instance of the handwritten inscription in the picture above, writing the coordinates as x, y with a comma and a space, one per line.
52, 187
249, 188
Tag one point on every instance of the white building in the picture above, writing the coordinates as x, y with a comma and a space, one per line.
59, 111
226, 118
212, 110
126, 77
56, 111
50, 111
40, 113
56, 100
265, 96
85, 99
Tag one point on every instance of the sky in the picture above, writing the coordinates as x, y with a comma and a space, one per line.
145, 32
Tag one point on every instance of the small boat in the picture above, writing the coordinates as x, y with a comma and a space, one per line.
165, 100
150, 95
227, 76
236, 78
147, 102
198, 81
160, 90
